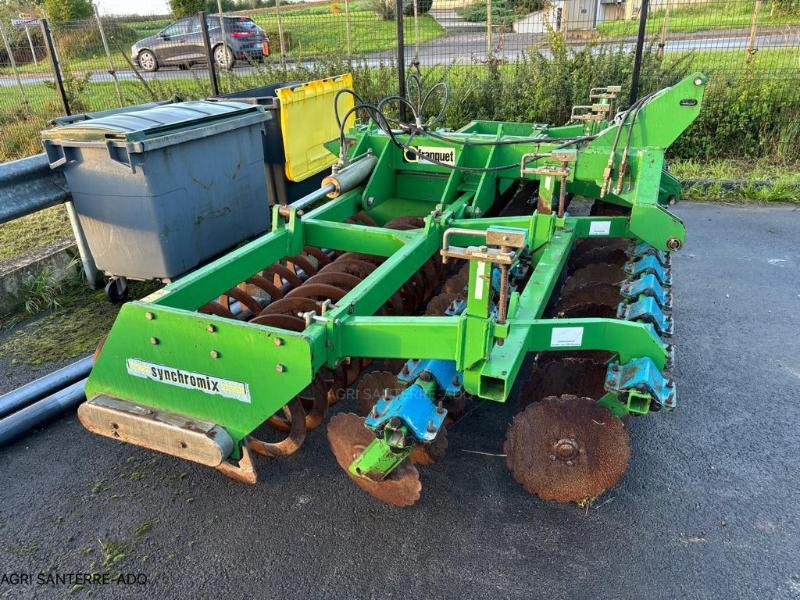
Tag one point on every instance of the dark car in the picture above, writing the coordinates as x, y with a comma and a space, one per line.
182, 43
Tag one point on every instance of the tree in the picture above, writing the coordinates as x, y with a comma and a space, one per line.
184, 8
67, 10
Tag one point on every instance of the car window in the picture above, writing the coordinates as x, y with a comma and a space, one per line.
244, 24
176, 28
212, 21
193, 25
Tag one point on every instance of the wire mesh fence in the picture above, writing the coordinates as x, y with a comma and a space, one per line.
109, 62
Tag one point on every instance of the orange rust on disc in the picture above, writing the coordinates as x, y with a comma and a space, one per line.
590, 275
553, 374
372, 386
439, 304
567, 449
215, 308
359, 268
318, 291
278, 273
290, 306
348, 437
321, 258
429, 454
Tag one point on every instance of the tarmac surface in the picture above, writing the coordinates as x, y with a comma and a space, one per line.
708, 508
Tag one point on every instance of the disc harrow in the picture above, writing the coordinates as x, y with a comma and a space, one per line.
425, 271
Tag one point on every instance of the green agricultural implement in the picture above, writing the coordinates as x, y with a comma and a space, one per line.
433, 268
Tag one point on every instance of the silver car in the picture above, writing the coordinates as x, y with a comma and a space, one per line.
182, 43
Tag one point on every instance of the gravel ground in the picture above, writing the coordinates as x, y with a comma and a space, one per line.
708, 508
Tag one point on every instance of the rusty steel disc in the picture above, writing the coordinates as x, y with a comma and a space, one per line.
364, 219
606, 294
439, 304
615, 254
372, 387
601, 208
318, 255
405, 223
348, 437
431, 276
370, 258
290, 306
215, 308
279, 273
359, 268
567, 449
430, 454
593, 275
245, 299
304, 263
317, 291
341, 280
268, 286
551, 376
394, 364
456, 283
281, 321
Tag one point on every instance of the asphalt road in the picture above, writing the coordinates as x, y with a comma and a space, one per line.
463, 48
708, 508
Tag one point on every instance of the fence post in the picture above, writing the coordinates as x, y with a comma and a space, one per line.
14, 68
751, 42
416, 33
51, 51
222, 31
637, 61
664, 27
348, 26
280, 33
401, 56
212, 68
30, 45
111, 70
488, 29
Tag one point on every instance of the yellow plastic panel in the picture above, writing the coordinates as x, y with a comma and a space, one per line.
308, 121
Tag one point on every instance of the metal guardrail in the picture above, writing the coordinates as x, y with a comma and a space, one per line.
28, 185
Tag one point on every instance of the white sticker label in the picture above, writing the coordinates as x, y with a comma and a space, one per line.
479, 281
600, 228
188, 380
429, 154
566, 336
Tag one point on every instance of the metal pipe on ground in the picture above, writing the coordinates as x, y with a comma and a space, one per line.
39, 388
22, 421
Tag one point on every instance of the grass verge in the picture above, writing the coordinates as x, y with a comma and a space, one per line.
33, 232
738, 180
710, 16
72, 328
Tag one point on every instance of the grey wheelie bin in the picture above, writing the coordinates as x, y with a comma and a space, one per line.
159, 191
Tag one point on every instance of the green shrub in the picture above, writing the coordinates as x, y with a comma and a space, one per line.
504, 12
423, 6
383, 8
184, 8
82, 40
67, 10
744, 117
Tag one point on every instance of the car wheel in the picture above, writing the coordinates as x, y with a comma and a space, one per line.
147, 61
223, 57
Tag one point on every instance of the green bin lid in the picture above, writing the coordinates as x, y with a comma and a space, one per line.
147, 124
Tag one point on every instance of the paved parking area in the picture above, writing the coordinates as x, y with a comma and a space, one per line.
708, 509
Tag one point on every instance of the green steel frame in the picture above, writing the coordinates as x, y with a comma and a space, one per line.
275, 365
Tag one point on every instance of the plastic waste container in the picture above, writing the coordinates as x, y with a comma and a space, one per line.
302, 120
159, 191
